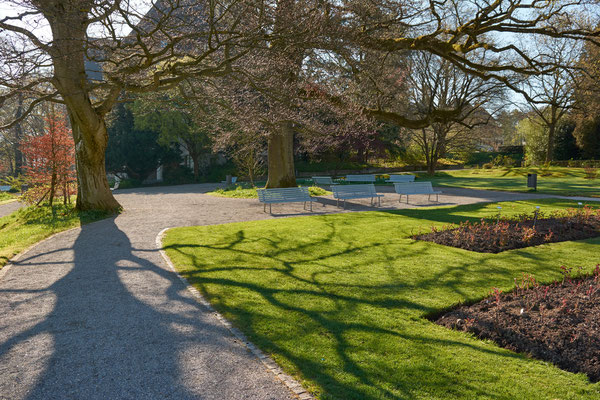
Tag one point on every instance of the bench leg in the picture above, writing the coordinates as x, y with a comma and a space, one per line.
344, 204
265, 207
270, 210
399, 198
406, 199
379, 198
311, 206
437, 198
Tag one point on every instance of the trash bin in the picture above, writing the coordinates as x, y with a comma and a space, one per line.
532, 181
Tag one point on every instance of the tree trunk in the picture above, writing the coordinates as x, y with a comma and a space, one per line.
196, 166
93, 191
281, 157
550, 151
52, 189
431, 164
18, 137
68, 21
251, 176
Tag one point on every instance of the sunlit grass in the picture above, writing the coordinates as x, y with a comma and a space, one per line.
29, 225
553, 180
340, 301
246, 192
7, 198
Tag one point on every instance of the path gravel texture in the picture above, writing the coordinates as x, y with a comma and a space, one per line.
9, 208
96, 313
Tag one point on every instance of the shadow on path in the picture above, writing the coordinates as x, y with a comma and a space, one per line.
111, 339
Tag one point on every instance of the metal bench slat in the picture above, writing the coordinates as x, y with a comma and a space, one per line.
323, 180
401, 178
284, 195
360, 178
347, 192
415, 188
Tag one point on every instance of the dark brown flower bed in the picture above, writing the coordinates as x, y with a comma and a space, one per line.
559, 323
522, 231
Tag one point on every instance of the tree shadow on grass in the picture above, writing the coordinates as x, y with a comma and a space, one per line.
302, 291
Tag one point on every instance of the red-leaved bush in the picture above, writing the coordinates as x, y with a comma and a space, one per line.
50, 163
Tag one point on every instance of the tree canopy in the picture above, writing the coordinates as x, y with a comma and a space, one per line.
341, 53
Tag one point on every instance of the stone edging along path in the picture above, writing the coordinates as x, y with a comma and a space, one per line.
269, 364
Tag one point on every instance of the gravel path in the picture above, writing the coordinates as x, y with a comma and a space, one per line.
9, 208
95, 312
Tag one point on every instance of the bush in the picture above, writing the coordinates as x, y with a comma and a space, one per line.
504, 161
5, 196
324, 166
178, 175
590, 172
498, 158
129, 183
14, 183
217, 173
488, 165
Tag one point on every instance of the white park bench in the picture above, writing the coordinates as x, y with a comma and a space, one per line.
401, 178
415, 188
360, 178
323, 181
347, 192
284, 195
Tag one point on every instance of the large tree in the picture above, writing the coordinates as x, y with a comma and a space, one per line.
174, 119
133, 46
437, 85
142, 51
550, 96
479, 38
135, 152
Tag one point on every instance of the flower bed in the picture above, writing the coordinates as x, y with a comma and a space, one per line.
559, 323
523, 231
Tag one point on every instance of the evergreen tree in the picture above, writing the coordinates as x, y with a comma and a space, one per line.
134, 151
565, 145
589, 138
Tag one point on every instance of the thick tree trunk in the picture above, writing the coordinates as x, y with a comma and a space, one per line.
431, 165
68, 21
281, 157
93, 191
195, 161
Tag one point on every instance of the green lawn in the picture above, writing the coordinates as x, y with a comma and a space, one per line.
340, 301
561, 181
29, 225
6, 198
245, 192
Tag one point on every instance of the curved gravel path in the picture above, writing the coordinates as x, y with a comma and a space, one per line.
95, 312
9, 208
